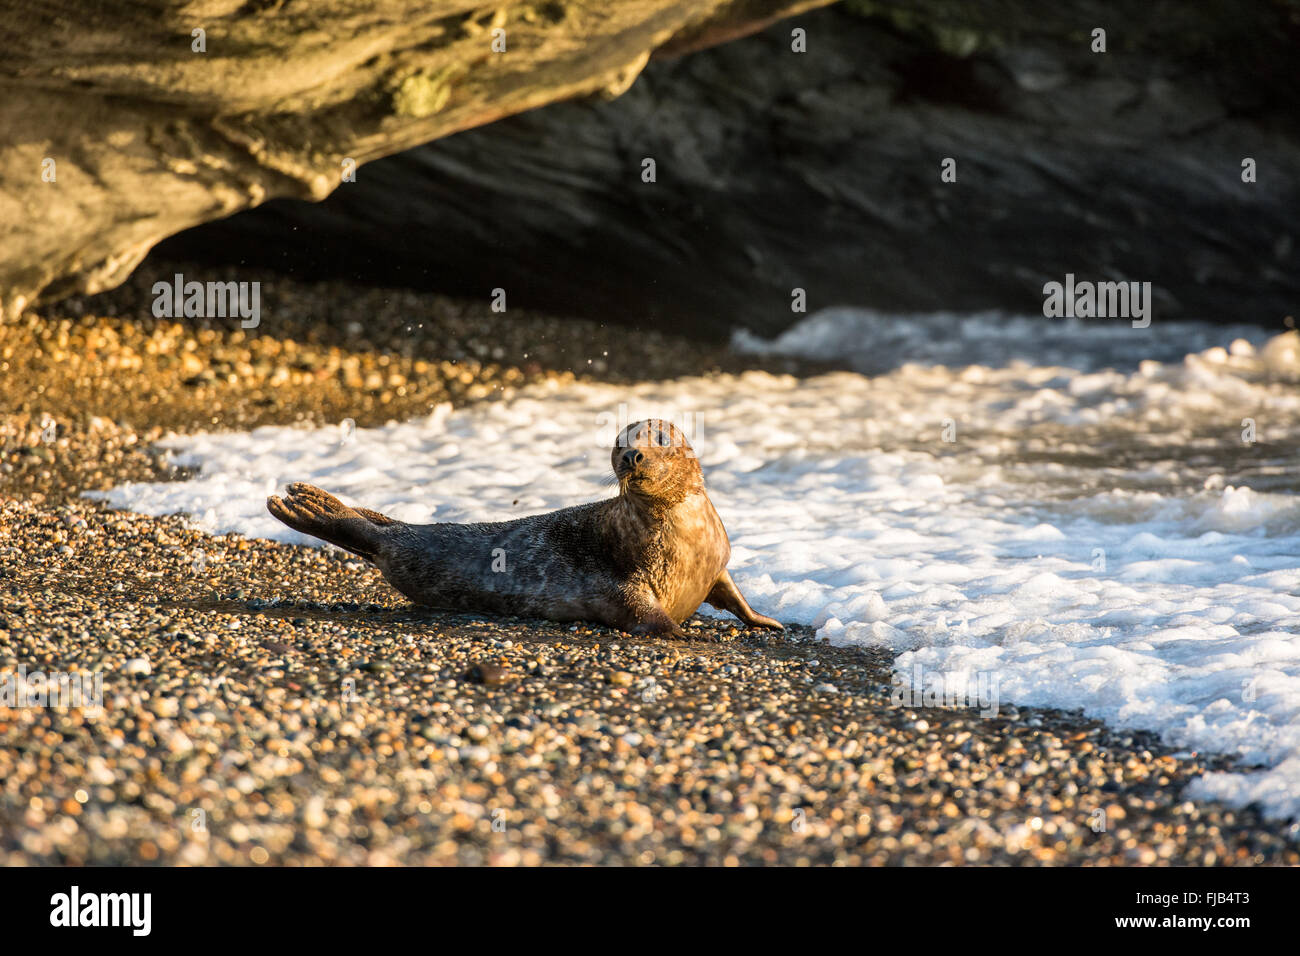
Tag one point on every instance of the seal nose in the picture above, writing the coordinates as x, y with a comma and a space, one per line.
632, 457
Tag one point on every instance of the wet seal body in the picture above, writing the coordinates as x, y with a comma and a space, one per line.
643, 561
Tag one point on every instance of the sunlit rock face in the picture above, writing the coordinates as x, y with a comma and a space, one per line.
121, 124
825, 171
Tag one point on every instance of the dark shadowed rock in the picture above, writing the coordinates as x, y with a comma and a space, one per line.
777, 170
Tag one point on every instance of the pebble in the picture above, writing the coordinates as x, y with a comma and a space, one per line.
704, 770
490, 675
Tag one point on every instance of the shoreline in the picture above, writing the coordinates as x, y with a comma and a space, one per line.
469, 740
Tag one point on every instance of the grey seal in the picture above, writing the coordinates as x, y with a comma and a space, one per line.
642, 562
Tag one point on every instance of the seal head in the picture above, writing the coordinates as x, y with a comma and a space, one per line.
655, 464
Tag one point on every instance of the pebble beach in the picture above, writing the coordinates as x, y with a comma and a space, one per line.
267, 704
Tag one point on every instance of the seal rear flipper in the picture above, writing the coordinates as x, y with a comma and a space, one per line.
725, 596
318, 513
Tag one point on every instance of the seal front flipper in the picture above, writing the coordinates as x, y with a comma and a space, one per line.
318, 513
647, 616
725, 596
